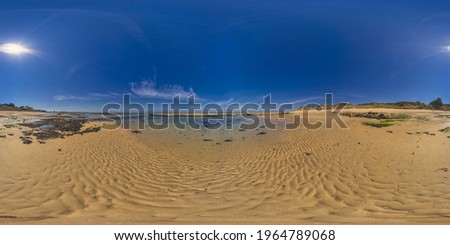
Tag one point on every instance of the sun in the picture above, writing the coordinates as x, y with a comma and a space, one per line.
14, 48
448, 48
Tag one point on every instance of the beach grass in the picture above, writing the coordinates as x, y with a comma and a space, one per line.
11, 125
422, 118
381, 124
401, 116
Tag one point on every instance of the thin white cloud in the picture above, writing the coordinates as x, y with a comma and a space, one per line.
148, 89
69, 97
223, 102
89, 97
307, 99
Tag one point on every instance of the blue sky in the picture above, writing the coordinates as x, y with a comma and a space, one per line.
88, 53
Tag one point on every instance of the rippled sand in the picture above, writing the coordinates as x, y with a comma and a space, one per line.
360, 175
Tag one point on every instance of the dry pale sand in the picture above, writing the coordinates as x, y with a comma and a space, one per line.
360, 175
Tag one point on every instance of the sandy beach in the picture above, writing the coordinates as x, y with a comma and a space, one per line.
360, 175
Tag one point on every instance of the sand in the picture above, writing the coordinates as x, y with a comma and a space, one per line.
359, 175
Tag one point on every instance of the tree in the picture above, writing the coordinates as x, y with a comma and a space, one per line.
437, 103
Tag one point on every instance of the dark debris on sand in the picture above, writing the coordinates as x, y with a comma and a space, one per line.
441, 169
60, 124
136, 132
46, 135
27, 132
53, 128
26, 140
90, 130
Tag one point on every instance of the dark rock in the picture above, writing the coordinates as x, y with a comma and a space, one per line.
60, 127
48, 135
27, 141
27, 132
60, 124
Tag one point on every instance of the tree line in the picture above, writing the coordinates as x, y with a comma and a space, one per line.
13, 107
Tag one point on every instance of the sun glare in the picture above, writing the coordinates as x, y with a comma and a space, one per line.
14, 48
448, 48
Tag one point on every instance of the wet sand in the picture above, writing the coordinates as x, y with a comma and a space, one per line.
359, 175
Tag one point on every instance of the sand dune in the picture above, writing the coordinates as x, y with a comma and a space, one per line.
358, 175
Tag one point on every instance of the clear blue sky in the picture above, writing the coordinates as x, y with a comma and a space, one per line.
86, 53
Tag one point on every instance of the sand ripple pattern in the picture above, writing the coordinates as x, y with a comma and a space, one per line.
302, 176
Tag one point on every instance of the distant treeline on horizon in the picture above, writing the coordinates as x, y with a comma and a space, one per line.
13, 107
436, 104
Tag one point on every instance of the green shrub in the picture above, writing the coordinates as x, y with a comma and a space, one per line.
381, 124
437, 104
